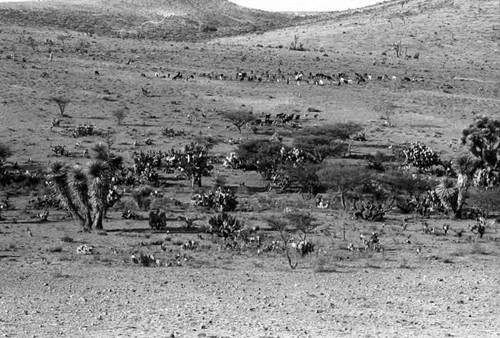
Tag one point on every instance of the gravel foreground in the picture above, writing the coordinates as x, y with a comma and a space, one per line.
76, 300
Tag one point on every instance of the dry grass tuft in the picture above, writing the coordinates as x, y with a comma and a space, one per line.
67, 239
54, 248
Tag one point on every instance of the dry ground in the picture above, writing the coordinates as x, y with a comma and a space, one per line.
449, 289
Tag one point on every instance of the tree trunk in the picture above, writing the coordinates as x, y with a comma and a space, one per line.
87, 224
342, 199
462, 187
97, 223
62, 191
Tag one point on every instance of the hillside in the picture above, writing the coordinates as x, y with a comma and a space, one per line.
174, 20
447, 35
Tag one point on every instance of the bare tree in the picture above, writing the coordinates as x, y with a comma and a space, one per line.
279, 225
62, 103
109, 138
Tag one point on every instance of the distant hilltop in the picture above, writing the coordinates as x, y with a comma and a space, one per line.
176, 20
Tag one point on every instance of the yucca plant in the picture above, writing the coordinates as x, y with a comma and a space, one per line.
78, 183
464, 166
447, 193
99, 186
59, 176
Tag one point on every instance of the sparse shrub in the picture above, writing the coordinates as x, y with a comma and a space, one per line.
313, 110
337, 131
54, 248
321, 266
82, 46
4, 152
84, 130
120, 115
485, 200
376, 161
318, 147
304, 177
207, 28
220, 181
142, 197
296, 45
404, 264
67, 239
221, 199
109, 138
225, 226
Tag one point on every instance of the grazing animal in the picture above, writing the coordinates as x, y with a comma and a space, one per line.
145, 92
479, 228
446, 227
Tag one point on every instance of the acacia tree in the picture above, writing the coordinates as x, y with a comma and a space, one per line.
263, 156
238, 118
318, 148
337, 131
407, 184
343, 179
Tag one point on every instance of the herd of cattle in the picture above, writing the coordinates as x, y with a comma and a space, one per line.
297, 77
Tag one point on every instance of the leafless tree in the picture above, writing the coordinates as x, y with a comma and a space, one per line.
62, 103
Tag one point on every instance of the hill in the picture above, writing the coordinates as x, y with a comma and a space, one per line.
447, 34
174, 20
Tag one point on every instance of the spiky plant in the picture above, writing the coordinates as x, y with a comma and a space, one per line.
100, 152
464, 166
59, 176
447, 193
78, 183
99, 187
